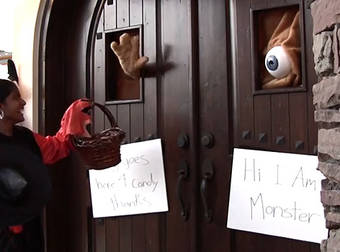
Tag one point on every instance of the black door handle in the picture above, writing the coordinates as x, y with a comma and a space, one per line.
208, 173
183, 174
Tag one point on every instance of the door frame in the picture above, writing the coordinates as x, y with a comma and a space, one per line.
63, 52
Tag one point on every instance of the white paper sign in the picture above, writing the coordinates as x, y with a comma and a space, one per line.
134, 186
276, 194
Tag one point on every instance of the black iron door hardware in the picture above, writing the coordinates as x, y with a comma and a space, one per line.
183, 174
183, 141
207, 174
208, 140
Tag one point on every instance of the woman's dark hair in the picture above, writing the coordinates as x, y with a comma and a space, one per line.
6, 87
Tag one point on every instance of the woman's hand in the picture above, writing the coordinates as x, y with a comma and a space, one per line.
127, 52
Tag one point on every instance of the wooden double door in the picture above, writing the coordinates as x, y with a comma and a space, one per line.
194, 96
184, 102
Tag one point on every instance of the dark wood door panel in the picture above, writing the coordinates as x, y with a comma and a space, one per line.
124, 121
214, 119
311, 79
286, 117
243, 122
110, 15
136, 12
63, 64
271, 114
176, 119
123, 17
251, 242
112, 234
139, 120
153, 227
137, 134
150, 83
98, 235
298, 119
99, 75
97, 230
194, 97
280, 123
262, 121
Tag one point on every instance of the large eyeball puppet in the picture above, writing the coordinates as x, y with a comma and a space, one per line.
282, 53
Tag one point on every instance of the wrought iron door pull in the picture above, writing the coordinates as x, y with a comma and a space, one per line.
183, 174
208, 173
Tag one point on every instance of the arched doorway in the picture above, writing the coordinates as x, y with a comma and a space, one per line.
191, 107
63, 44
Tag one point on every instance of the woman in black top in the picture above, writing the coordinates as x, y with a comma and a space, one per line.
20, 224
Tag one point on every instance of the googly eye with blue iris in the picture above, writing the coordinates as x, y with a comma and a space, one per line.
277, 62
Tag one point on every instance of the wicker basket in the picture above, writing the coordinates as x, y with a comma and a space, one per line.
101, 150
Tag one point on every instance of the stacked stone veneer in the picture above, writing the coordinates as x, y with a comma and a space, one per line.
326, 48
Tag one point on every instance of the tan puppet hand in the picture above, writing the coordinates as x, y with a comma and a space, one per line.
128, 54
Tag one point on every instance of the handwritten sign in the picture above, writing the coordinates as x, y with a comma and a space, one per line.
276, 194
134, 186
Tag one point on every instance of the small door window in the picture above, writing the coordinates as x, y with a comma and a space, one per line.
120, 88
277, 50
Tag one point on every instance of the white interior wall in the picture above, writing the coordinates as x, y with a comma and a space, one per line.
17, 27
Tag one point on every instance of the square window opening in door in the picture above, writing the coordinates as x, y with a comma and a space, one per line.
277, 50
120, 88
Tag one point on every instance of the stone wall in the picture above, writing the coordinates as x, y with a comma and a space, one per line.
326, 48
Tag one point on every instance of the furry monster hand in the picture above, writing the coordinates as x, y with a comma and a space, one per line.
128, 54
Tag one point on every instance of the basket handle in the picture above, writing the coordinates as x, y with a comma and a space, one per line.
106, 112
